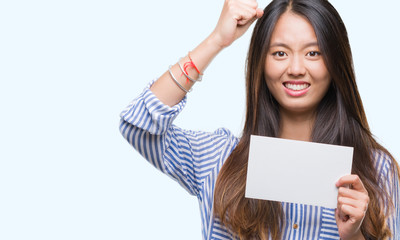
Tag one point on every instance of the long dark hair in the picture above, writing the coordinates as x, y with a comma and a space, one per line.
340, 119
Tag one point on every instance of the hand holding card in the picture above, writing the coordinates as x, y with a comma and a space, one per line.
296, 171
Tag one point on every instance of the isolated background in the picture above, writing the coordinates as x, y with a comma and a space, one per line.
67, 69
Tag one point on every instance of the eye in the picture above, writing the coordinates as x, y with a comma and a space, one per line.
313, 54
279, 54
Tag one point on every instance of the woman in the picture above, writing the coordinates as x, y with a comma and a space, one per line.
300, 85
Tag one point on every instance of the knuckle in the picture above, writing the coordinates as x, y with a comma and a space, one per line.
358, 215
342, 207
253, 4
365, 199
231, 4
365, 208
356, 178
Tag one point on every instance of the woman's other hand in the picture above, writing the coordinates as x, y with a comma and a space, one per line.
352, 205
236, 17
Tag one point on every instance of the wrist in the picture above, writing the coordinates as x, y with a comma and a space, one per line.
357, 236
214, 41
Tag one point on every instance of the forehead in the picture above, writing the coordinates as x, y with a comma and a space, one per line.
293, 30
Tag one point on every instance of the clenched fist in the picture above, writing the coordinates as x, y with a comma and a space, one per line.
236, 17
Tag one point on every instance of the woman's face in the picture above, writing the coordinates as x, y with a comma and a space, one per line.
295, 72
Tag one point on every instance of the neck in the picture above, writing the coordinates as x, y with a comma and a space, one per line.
296, 126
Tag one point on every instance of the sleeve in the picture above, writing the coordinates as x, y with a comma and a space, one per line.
186, 156
390, 180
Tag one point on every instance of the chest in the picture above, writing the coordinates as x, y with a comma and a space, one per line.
301, 222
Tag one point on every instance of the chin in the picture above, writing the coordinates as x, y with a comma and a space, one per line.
299, 109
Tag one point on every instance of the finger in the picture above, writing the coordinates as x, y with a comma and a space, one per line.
245, 14
339, 215
354, 214
250, 3
352, 180
238, 8
353, 194
243, 22
362, 205
243, 11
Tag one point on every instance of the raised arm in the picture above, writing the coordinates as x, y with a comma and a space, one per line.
236, 17
186, 156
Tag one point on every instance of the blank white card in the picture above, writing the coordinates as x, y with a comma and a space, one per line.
296, 171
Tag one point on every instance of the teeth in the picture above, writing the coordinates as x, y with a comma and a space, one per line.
297, 87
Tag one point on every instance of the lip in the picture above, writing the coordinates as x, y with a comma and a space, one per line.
296, 93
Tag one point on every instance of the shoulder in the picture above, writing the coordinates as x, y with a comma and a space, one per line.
232, 140
227, 133
220, 133
203, 143
381, 160
385, 165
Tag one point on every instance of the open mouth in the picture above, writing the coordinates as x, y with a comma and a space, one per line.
296, 86
296, 89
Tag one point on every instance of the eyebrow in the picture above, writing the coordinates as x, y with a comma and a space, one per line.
279, 44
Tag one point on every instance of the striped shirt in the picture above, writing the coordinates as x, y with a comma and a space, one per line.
194, 158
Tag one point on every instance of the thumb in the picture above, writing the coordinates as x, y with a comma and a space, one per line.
246, 23
260, 13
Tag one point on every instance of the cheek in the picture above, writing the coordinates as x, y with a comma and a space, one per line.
273, 70
319, 71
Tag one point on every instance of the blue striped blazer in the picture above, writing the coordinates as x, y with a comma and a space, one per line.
194, 158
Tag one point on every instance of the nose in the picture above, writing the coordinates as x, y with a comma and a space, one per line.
296, 66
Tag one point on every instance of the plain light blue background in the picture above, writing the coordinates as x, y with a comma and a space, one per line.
67, 69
